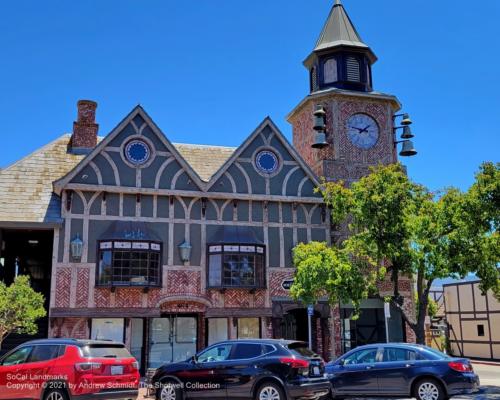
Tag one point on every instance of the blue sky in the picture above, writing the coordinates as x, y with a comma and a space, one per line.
210, 71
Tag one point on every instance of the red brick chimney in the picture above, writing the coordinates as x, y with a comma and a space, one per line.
85, 129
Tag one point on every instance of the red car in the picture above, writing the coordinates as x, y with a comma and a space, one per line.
69, 369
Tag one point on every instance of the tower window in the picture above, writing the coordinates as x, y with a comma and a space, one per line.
353, 73
314, 80
330, 70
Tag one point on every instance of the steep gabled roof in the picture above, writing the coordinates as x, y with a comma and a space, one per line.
279, 135
138, 110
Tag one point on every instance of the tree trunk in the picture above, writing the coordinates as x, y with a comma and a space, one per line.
423, 304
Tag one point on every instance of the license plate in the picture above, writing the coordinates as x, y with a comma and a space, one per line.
316, 371
117, 370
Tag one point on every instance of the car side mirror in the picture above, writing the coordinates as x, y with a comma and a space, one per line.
194, 359
342, 362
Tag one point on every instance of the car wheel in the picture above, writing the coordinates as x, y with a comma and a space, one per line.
55, 394
270, 391
429, 389
169, 391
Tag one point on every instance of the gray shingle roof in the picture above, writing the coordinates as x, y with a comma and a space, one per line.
26, 186
205, 160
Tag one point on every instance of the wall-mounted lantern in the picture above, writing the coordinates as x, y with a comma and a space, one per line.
185, 252
76, 247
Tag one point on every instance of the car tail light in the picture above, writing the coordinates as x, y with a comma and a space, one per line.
88, 366
460, 366
135, 365
295, 362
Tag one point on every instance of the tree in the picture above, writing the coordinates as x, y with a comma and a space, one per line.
399, 228
20, 307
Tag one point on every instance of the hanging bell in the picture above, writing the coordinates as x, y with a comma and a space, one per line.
319, 118
406, 120
407, 133
319, 141
408, 149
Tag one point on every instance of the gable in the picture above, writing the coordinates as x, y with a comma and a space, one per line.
157, 163
244, 171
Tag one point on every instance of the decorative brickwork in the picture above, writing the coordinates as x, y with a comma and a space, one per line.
82, 287
128, 297
182, 307
69, 328
63, 286
276, 278
183, 282
238, 298
102, 297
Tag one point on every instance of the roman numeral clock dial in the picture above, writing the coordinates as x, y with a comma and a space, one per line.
363, 131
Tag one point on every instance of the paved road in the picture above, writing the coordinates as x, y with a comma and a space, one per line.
490, 384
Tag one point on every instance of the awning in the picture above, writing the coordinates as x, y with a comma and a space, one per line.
130, 230
235, 235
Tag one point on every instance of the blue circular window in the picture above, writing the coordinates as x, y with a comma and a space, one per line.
137, 152
267, 161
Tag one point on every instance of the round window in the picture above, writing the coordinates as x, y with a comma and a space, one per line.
137, 152
267, 161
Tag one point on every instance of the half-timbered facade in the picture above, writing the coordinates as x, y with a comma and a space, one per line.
174, 258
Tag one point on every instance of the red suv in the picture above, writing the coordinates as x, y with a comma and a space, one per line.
69, 369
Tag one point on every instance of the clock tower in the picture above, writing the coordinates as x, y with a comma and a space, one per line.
358, 122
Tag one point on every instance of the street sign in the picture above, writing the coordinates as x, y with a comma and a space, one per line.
287, 284
310, 310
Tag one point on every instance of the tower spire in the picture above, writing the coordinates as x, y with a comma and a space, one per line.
339, 31
340, 58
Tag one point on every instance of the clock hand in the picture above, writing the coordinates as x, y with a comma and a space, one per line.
365, 129
359, 129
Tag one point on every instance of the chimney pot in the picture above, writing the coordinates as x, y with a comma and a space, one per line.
84, 137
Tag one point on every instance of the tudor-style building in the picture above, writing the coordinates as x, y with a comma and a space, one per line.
178, 252
170, 247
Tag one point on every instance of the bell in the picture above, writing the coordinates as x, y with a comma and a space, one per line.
407, 133
408, 149
406, 120
319, 118
319, 141
319, 123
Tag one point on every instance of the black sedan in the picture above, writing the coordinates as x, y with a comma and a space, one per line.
260, 369
400, 370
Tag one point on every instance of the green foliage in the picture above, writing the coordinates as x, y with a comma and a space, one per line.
397, 223
324, 271
20, 307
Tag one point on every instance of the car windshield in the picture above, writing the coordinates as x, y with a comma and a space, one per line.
106, 351
301, 349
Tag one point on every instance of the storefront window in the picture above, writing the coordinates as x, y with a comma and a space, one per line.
217, 330
107, 329
248, 328
129, 264
236, 266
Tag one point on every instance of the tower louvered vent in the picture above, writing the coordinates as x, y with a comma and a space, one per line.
353, 74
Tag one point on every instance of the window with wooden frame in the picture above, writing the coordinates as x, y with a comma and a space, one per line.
128, 263
236, 266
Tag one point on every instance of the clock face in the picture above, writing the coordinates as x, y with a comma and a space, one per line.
362, 131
